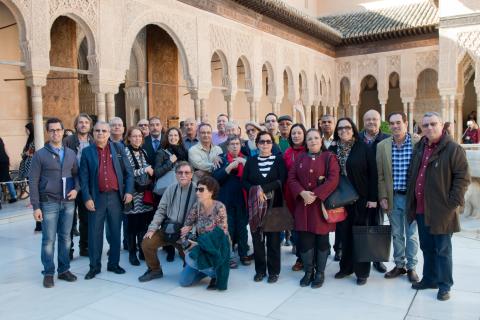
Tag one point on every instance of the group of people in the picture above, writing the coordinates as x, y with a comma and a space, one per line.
198, 192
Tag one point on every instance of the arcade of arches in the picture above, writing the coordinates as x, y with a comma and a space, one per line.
175, 59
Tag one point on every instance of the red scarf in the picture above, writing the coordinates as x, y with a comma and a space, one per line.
230, 159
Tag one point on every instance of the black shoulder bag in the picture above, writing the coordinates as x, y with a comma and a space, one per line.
171, 229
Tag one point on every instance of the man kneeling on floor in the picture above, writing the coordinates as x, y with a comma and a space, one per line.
164, 229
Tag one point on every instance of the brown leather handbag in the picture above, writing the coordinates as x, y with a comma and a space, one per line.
277, 219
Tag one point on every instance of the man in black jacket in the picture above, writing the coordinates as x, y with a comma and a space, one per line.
77, 142
372, 135
153, 142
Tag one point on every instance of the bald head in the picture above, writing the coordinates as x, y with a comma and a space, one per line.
371, 122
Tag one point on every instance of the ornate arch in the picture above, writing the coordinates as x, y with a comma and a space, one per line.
248, 74
291, 87
21, 12
179, 28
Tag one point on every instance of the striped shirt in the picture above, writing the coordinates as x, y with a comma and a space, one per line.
400, 163
265, 164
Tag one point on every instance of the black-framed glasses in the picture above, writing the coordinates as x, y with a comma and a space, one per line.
101, 130
200, 189
55, 130
265, 142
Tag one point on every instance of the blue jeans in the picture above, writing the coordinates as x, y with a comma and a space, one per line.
191, 275
108, 214
404, 236
57, 219
11, 190
437, 256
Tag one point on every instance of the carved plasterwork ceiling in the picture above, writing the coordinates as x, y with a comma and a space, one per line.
344, 69
87, 9
393, 64
427, 60
269, 52
367, 66
220, 38
469, 42
244, 44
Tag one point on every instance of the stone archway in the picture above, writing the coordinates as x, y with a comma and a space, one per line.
220, 87
241, 109
288, 94
268, 91
394, 100
344, 105
428, 97
368, 97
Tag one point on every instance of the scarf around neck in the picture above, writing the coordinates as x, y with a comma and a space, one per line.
343, 151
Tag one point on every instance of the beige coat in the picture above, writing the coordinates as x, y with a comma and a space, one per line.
384, 169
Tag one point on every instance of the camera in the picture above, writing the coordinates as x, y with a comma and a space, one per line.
186, 241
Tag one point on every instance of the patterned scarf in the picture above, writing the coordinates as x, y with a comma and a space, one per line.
343, 151
256, 209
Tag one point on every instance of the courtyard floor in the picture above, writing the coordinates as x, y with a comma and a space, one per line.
111, 296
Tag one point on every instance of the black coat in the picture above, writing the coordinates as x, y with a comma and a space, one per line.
4, 163
231, 188
147, 146
162, 163
272, 182
362, 173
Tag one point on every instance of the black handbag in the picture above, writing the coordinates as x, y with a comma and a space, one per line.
277, 219
371, 243
141, 182
171, 228
344, 195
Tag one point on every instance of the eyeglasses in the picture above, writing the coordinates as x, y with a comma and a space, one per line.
143, 125
55, 130
101, 130
184, 173
200, 189
251, 130
265, 142
431, 124
346, 128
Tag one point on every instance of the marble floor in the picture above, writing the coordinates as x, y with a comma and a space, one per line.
111, 296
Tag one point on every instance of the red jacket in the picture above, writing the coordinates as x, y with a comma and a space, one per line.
304, 175
290, 156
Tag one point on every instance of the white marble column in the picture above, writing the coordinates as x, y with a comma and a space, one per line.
37, 110
229, 108
451, 115
110, 105
354, 114
276, 108
411, 111
203, 111
315, 116
383, 107
196, 106
444, 110
100, 100
308, 116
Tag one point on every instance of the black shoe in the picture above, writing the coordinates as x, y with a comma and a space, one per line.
258, 277
91, 274
141, 256
75, 232
213, 284
395, 272
125, 244
318, 280
83, 252
245, 261
116, 269
132, 257
70, 255
423, 285
380, 267
340, 275
67, 276
170, 256
307, 279
412, 276
12, 200
150, 275
272, 278
338, 255
48, 281
443, 295
361, 281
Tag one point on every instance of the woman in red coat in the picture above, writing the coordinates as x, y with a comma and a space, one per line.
309, 181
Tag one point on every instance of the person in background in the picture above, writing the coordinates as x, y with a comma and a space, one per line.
472, 134
117, 129
5, 174
249, 148
357, 163
141, 213
271, 124
312, 228
106, 181
209, 218
204, 156
229, 176
25, 163
53, 189
190, 138
297, 147
77, 142
220, 136
326, 125
284, 124
263, 178
67, 132
440, 164
172, 151
143, 125
153, 142
231, 129
371, 136
393, 160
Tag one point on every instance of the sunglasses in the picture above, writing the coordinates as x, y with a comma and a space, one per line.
143, 125
265, 142
200, 189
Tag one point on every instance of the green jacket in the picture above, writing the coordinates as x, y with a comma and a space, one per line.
384, 169
213, 251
